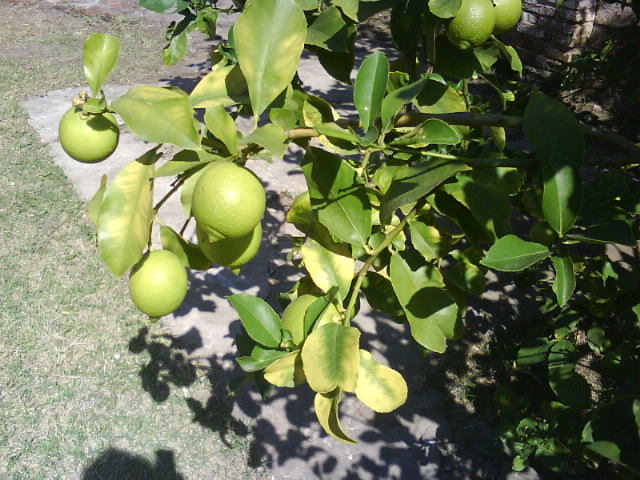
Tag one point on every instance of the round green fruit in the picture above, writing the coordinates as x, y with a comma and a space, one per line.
88, 138
158, 283
230, 252
472, 25
507, 14
228, 201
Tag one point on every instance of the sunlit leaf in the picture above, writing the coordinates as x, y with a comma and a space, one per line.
380, 388
369, 88
269, 38
562, 193
330, 358
222, 126
99, 56
189, 254
125, 215
286, 371
512, 254
159, 115
93, 207
327, 268
224, 85
564, 282
326, 408
258, 318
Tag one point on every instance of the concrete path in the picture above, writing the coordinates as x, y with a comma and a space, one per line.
418, 441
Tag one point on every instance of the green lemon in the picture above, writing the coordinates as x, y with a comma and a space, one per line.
507, 13
228, 201
230, 252
88, 138
472, 25
158, 283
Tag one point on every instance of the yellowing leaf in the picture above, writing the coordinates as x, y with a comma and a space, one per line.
326, 407
125, 214
286, 371
328, 269
380, 388
330, 358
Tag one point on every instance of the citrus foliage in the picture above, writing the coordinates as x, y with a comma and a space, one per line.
409, 204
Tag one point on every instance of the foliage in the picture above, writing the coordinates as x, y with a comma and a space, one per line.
410, 203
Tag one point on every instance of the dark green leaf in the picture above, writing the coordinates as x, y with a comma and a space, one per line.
562, 193
552, 129
258, 319
259, 358
338, 196
411, 183
532, 352
396, 99
570, 387
616, 231
564, 282
369, 88
512, 254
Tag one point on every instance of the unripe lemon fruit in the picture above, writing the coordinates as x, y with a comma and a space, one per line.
507, 13
158, 283
228, 201
230, 252
88, 138
472, 25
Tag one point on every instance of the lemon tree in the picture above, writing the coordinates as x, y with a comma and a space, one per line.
412, 197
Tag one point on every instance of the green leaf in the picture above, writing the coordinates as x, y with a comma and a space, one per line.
338, 196
411, 183
395, 100
564, 282
258, 319
269, 38
532, 352
380, 295
551, 128
428, 240
326, 408
512, 254
330, 31
185, 162
125, 215
449, 206
330, 358
259, 358
615, 231
570, 387
349, 8
369, 88
431, 311
405, 23
189, 254
562, 193
269, 136
222, 126
93, 207
444, 8
159, 115
380, 388
511, 55
463, 274
158, 6
224, 85
608, 450
99, 56
327, 268
176, 49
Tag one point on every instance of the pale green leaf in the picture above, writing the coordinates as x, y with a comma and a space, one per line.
285, 371
159, 115
93, 207
99, 56
125, 215
224, 85
269, 38
222, 126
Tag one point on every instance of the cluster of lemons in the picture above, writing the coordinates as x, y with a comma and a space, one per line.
228, 204
477, 20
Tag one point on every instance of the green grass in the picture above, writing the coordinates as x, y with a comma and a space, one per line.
71, 393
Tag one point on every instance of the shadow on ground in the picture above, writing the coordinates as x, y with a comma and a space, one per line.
115, 464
